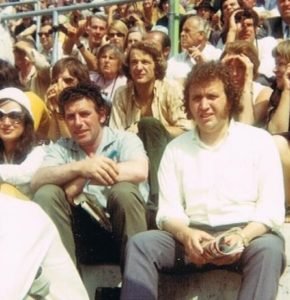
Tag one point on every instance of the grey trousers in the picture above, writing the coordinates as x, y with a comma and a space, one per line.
125, 206
148, 253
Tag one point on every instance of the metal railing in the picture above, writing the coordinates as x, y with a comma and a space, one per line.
55, 11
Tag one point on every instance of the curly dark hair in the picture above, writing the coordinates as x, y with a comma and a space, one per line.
83, 90
208, 72
25, 143
150, 49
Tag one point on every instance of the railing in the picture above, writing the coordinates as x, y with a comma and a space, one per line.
173, 17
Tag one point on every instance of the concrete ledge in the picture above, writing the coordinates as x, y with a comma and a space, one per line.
213, 285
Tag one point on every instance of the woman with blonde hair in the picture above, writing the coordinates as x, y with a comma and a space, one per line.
279, 110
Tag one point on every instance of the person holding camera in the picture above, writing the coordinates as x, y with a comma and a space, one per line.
244, 25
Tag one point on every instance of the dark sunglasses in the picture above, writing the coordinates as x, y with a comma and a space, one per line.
47, 34
15, 117
117, 34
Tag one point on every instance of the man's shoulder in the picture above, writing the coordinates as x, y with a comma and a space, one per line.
113, 134
245, 131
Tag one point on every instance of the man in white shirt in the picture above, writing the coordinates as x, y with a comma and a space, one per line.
221, 176
195, 48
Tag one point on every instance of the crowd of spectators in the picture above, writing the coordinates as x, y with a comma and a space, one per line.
118, 58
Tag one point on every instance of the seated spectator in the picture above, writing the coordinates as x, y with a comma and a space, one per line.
107, 166
19, 158
242, 59
9, 78
278, 119
86, 49
26, 26
110, 71
279, 26
243, 25
150, 106
46, 37
207, 189
164, 11
218, 37
117, 34
135, 34
32, 66
151, 11
33, 259
195, 48
68, 71
161, 41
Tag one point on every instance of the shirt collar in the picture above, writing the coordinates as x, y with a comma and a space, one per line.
201, 144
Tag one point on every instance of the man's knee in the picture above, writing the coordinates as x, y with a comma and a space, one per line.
50, 196
269, 248
125, 195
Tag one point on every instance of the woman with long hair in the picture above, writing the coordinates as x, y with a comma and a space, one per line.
19, 156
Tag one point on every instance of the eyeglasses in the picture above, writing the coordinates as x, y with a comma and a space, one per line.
46, 34
15, 116
117, 34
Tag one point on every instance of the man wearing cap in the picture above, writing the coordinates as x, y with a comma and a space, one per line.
205, 10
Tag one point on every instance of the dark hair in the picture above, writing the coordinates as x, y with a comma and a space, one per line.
25, 142
74, 66
247, 14
83, 90
209, 71
9, 75
246, 48
150, 49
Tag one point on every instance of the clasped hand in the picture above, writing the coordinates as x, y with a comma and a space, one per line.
100, 170
195, 240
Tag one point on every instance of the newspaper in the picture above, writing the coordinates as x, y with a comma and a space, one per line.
222, 246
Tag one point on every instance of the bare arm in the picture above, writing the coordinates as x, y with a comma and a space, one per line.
134, 171
58, 175
280, 118
191, 239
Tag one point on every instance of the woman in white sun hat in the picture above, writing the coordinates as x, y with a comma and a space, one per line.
19, 157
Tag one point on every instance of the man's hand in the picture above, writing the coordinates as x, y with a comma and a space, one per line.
192, 240
100, 170
74, 188
196, 54
213, 254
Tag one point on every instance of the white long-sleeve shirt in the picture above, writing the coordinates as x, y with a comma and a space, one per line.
239, 180
20, 175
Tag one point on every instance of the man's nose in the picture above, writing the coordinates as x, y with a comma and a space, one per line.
204, 103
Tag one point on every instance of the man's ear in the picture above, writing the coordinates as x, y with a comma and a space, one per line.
104, 114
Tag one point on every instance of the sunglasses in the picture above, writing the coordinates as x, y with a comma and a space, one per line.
46, 34
117, 34
15, 116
